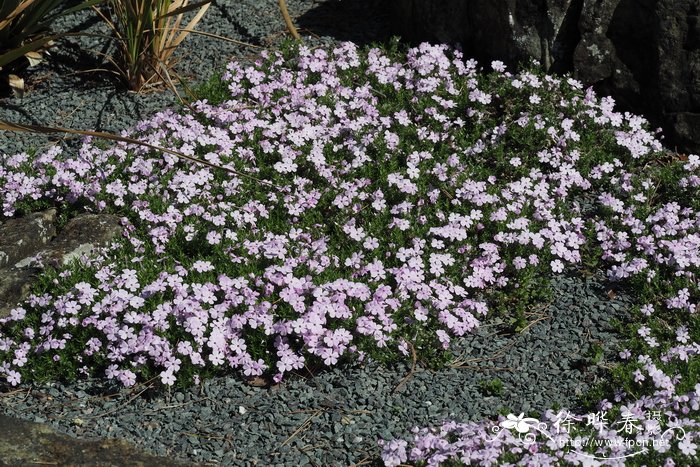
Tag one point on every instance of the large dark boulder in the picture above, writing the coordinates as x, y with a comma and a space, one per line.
508, 30
644, 53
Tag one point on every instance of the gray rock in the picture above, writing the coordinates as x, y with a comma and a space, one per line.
80, 236
25, 443
644, 53
28, 244
22, 237
15, 285
509, 31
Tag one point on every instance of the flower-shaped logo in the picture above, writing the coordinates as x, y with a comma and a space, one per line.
520, 423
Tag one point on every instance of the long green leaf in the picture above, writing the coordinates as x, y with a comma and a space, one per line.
13, 8
12, 55
222, 38
6, 8
183, 9
78, 7
40, 15
32, 25
32, 20
13, 13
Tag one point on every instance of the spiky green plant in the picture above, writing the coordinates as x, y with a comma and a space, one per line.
147, 33
25, 26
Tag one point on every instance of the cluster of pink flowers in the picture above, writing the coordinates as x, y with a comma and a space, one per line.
371, 202
560, 438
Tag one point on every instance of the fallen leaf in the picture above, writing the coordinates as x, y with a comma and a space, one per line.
258, 382
34, 58
17, 85
611, 294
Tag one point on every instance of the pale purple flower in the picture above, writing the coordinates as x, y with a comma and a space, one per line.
202, 266
557, 266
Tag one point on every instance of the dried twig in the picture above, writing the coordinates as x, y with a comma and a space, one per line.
532, 323
457, 363
497, 354
175, 406
222, 38
484, 368
364, 461
414, 359
288, 20
16, 391
8, 126
304, 426
447, 193
205, 436
131, 399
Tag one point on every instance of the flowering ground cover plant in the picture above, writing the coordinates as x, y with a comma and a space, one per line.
377, 203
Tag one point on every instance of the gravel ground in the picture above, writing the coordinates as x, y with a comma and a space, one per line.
64, 92
335, 417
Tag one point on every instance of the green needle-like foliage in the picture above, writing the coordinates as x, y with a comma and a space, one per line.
25, 26
148, 32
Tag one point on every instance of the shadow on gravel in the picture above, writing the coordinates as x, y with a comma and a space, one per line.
88, 67
362, 22
225, 12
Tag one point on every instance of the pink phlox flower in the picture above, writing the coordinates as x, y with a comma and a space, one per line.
438, 261
687, 447
254, 367
557, 266
13, 377
394, 452
403, 347
204, 293
126, 377
202, 266
288, 359
444, 338
498, 66
167, 377
682, 334
237, 345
